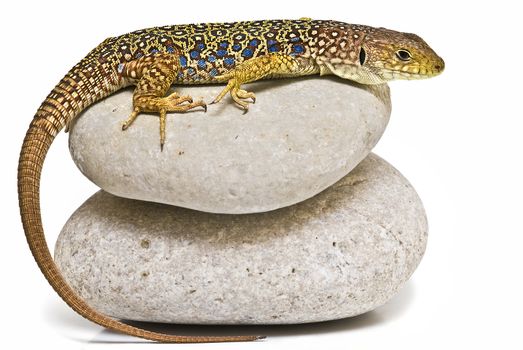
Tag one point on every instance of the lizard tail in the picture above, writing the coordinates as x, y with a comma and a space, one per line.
61, 106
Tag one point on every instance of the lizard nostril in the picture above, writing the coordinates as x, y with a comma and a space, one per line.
438, 67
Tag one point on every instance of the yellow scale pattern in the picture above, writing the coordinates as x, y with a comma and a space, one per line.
208, 50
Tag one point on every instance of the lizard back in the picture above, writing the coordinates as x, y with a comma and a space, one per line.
208, 50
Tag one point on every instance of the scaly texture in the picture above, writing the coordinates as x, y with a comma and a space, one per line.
236, 53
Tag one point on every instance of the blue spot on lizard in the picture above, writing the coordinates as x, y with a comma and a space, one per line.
298, 48
229, 61
247, 53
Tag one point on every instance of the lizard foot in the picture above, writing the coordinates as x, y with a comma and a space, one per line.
253, 70
238, 95
162, 105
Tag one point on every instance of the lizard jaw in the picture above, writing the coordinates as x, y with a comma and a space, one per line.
402, 75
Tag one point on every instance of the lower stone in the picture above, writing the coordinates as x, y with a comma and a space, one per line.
341, 253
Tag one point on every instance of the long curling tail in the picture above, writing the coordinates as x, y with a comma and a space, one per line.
56, 111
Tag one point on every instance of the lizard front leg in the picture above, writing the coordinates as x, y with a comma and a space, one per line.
255, 69
153, 76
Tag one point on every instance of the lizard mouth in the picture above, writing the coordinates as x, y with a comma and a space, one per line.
416, 74
423, 69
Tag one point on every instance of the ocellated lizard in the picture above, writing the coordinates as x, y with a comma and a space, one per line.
233, 53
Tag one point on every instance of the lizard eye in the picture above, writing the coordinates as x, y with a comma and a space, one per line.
403, 55
363, 56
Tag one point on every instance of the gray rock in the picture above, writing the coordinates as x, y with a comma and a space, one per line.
341, 253
300, 137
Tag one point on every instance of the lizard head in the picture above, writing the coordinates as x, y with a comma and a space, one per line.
379, 55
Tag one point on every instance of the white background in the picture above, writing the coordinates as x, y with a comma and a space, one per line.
457, 138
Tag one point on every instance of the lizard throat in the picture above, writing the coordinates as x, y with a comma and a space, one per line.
357, 73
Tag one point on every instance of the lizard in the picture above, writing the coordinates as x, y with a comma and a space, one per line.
234, 54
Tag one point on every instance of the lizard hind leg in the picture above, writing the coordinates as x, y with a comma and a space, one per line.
155, 74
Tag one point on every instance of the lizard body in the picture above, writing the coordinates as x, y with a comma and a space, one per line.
233, 53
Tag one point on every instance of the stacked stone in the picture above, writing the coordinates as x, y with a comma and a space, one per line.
278, 216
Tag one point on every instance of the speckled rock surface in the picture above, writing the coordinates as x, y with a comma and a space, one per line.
300, 137
339, 254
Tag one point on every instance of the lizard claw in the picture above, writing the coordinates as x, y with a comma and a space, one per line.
162, 105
